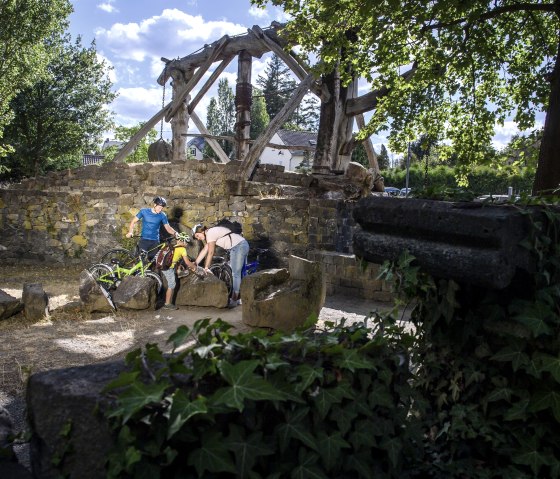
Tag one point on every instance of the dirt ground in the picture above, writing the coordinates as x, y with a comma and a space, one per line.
70, 337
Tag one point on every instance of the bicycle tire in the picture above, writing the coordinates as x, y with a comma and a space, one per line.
223, 273
103, 275
124, 257
155, 277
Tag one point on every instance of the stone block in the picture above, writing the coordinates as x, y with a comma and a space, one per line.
9, 306
282, 299
201, 290
35, 302
70, 400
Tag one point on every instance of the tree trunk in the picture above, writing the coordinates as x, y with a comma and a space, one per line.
547, 177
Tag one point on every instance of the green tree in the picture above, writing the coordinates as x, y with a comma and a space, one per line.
220, 117
305, 116
25, 56
259, 115
140, 152
383, 158
63, 114
359, 155
476, 63
276, 84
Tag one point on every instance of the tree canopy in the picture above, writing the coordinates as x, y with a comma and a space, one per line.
476, 63
220, 117
61, 115
24, 58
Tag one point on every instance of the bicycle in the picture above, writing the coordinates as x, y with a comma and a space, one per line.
119, 263
221, 268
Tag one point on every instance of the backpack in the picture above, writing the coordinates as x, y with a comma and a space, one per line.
164, 257
233, 226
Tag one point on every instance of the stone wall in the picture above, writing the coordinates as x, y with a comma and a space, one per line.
75, 215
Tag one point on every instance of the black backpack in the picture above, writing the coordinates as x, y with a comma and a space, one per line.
164, 257
233, 226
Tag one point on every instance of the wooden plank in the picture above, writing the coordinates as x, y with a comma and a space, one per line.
196, 78
211, 142
243, 104
254, 154
236, 44
141, 133
215, 74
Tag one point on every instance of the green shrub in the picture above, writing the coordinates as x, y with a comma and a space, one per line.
317, 403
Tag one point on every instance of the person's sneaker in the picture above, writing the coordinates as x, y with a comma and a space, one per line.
232, 303
170, 306
239, 302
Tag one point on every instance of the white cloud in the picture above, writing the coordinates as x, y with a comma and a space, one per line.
257, 12
107, 7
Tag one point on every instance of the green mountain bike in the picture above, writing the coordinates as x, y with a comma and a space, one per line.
109, 275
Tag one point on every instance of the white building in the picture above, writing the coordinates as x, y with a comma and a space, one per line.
288, 158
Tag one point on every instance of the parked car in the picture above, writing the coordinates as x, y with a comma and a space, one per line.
405, 191
392, 191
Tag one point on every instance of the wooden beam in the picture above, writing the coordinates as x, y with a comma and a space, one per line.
211, 143
292, 63
196, 77
215, 74
248, 165
368, 145
141, 133
369, 101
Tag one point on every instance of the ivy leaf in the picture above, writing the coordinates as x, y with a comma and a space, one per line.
532, 316
329, 448
307, 468
182, 409
136, 397
393, 446
514, 355
343, 418
244, 385
329, 396
296, 426
363, 437
124, 379
308, 374
179, 336
498, 394
518, 412
203, 351
551, 364
213, 456
532, 458
351, 359
246, 449
546, 400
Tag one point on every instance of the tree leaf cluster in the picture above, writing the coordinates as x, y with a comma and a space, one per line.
313, 403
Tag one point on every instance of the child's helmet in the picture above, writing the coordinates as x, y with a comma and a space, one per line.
183, 237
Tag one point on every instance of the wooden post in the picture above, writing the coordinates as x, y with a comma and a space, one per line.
243, 100
180, 121
345, 125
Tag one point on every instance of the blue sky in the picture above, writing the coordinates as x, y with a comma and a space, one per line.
133, 35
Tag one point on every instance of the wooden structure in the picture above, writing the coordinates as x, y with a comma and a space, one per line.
340, 104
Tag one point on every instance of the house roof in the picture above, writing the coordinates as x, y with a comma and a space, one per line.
197, 141
298, 138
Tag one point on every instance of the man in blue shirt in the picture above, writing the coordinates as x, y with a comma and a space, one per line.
151, 218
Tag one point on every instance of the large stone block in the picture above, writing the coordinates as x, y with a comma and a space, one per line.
282, 299
9, 305
70, 438
35, 302
467, 242
201, 290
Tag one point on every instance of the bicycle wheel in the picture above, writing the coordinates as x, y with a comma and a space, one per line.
155, 277
123, 256
104, 276
223, 273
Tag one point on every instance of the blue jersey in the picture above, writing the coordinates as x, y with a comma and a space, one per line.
150, 223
